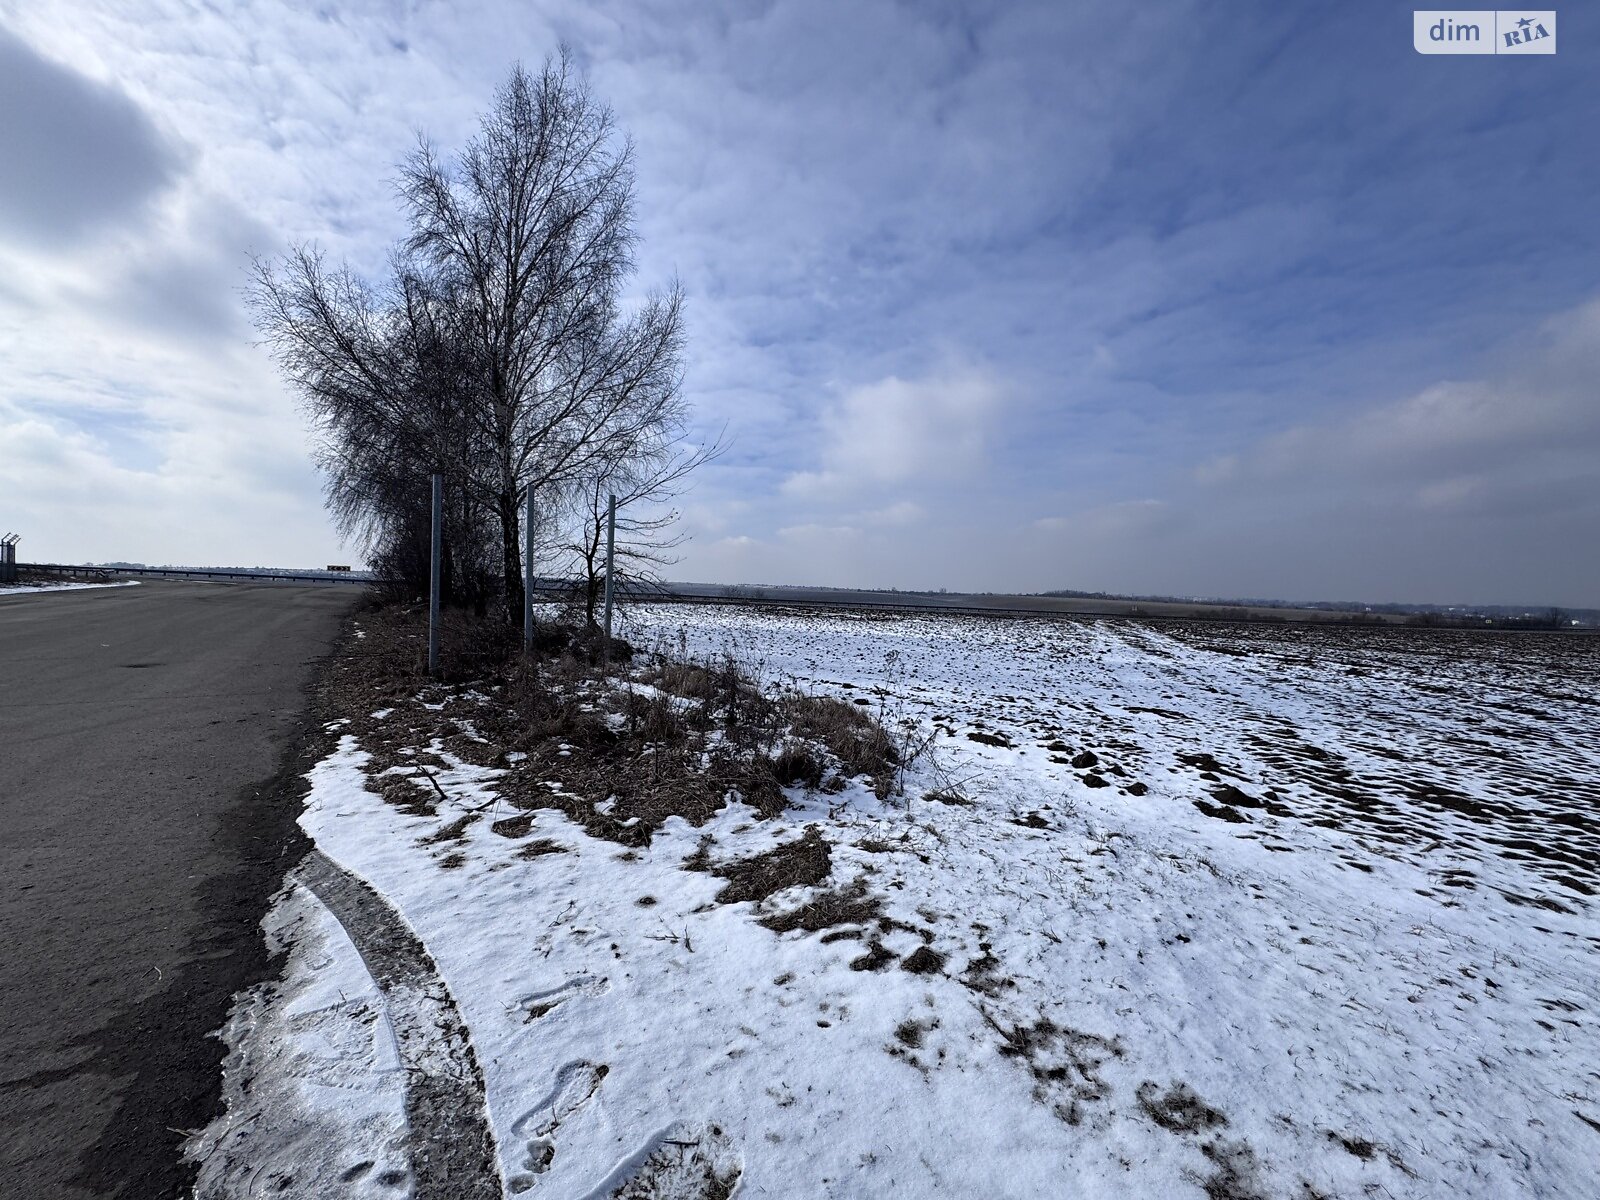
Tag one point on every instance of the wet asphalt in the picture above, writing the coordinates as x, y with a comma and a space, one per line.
151, 740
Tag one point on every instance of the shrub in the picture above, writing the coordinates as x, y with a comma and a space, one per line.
860, 743
796, 763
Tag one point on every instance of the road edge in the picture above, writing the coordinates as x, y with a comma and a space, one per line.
176, 1088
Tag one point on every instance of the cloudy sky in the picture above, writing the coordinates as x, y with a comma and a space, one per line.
1243, 299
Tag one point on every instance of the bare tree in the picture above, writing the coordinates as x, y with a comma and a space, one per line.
498, 351
383, 380
645, 482
532, 228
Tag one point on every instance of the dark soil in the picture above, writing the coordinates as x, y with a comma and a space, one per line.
923, 961
989, 739
1222, 812
1228, 794
875, 959
1204, 761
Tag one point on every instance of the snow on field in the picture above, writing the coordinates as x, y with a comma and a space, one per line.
1214, 912
30, 588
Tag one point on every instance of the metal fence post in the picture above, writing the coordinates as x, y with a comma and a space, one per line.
433, 575
527, 570
611, 562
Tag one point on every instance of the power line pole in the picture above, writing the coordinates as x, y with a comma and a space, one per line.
611, 562
527, 570
433, 575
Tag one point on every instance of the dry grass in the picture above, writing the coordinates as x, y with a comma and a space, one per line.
924, 961
540, 848
860, 743
621, 761
801, 863
796, 764
455, 831
1179, 1109
687, 679
849, 905
514, 827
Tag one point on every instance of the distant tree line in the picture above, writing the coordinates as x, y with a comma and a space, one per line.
1497, 616
498, 352
1548, 618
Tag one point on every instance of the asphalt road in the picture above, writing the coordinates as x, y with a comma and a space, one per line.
147, 808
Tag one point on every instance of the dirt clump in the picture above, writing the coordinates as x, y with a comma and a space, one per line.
1222, 812
1228, 794
989, 739
923, 961
876, 958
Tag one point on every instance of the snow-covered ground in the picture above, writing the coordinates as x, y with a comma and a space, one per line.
1316, 920
312, 1077
30, 588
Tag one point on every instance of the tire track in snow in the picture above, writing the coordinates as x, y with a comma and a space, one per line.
453, 1155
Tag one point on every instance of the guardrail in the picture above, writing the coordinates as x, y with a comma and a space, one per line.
199, 573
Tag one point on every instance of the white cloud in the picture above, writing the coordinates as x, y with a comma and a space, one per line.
932, 431
1116, 519
1454, 445
900, 513
814, 532
1217, 470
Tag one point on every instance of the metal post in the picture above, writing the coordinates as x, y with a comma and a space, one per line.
611, 562
527, 570
433, 575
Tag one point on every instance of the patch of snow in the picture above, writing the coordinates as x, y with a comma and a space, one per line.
312, 1084
29, 589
